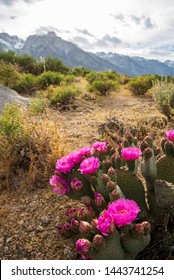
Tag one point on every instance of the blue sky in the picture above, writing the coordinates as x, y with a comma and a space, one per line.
133, 27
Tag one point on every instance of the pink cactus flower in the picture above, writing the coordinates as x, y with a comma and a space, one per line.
64, 164
75, 157
123, 211
99, 147
131, 153
76, 184
106, 223
60, 185
85, 151
83, 246
170, 135
89, 165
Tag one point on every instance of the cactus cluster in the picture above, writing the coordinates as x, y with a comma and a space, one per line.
126, 189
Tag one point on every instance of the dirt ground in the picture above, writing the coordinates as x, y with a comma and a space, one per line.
28, 217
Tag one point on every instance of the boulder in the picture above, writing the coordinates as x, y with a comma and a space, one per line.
9, 96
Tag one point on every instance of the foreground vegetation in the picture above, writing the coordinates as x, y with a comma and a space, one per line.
31, 139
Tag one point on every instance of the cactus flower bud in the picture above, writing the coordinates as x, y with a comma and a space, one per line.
111, 186
99, 200
81, 213
90, 212
76, 185
129, 138
138, 229
105, 178
83, 246
168, 147
147, 153
74, 226
144, 145
94, 224
149, 140
85, 227
111, 171
114, 195
147, 227
98, 241
86, 200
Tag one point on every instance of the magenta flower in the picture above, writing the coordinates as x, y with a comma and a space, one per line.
99, 147
131, 153
85, 151
123, 211
60, 185
76, 184
83, 246
170, 135
89, 165
75, 157
64, 164
106, 223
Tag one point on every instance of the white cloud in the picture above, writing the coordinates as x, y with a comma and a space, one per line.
132, 27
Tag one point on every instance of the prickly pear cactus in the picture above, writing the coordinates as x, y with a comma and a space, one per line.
122, 211
111, 249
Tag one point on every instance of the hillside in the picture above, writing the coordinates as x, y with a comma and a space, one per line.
41, 46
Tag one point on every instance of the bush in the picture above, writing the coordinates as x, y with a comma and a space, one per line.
104, 86
49, 78
63, 95
9, 76
163, 94
141, 84
69, 79
27, 146
26, 83
39, 105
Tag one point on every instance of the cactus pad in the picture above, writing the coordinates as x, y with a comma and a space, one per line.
165, 167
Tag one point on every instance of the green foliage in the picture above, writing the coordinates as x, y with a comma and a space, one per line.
80, 71
69, 79
103, 82
11, 125
163, 94
9, 76
55, 65
26, 83
63, 94
104, 86
49, 78
38, 105
140, 85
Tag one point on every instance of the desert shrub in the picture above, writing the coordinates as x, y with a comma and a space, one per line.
38, 105
55, 65
112, 75
104, 86
26, 84
27, 146
9, 76
163, 94
49, 78
9, 56
69, 79
80, 71
92, 76
63, 95
140, 85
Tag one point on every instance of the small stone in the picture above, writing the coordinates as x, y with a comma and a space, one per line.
6, 248
28, 248
8, 239
45, 220
39, 228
